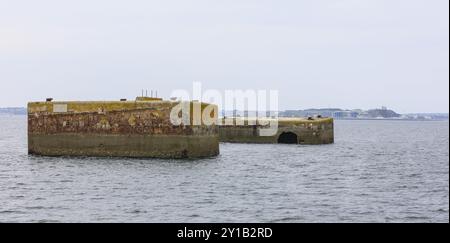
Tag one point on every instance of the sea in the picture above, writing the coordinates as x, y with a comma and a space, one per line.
376, 171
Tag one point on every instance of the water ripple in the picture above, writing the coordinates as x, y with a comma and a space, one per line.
377, 171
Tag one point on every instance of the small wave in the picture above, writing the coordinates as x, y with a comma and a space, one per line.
12, 212
46, 221
137, 211
37, 207
288, 219
421, 218
97, 198
442, 210
65, 181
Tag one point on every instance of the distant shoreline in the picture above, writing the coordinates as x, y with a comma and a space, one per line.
388, 119
20, 112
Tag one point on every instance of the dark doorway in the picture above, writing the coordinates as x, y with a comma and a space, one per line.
287, 137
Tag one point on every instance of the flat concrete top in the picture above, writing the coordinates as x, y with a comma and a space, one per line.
282, 121
92, 106
95, 106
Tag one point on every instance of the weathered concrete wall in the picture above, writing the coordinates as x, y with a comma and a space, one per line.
126, 128
317, 131
156, 146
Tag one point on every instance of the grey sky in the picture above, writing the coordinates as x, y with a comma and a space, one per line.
347, 54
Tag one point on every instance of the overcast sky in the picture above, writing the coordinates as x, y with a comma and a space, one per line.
317, 53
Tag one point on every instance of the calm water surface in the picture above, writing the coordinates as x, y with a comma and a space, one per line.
377, 171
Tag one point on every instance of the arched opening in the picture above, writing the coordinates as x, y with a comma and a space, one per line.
288, 137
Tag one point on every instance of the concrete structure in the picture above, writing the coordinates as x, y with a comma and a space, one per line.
140, 128
143, 128
290, 130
